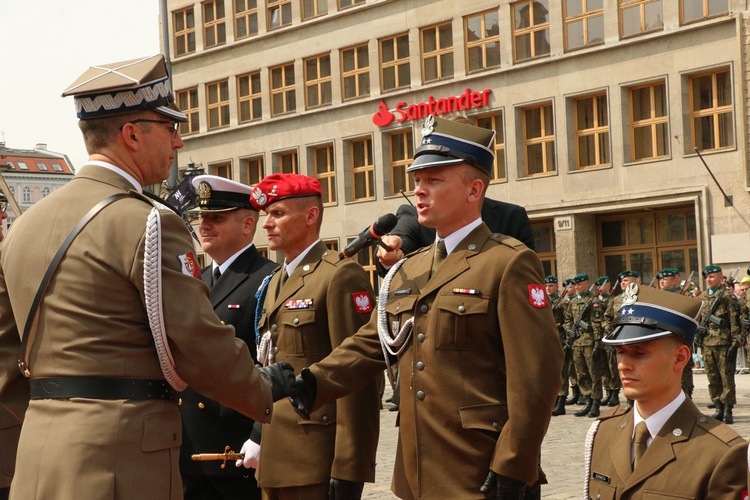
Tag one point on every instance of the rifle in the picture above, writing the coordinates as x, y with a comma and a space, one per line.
560, 300
651, 283
702, 330
685, 285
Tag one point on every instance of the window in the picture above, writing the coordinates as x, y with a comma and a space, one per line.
286, 162
10, 165
245, 18
22, 165
282, 90
649, 127
394, 63
401, 150
187, 100
363, 169
437, 52
332, 244
318, 81
56, 167
26, 194
584, 23
646, 241
263, 251
184, 31
530, 29
697, 10
592, 131
314, 8
41, 166
482, 33
325, 172
640, 16
217, 97
349, 3
45, 192
539, 139
711, 116
366, 259
279, 13
221, 169
544, 242
249, 104
495, 122
355, 74
214, 27
251, 170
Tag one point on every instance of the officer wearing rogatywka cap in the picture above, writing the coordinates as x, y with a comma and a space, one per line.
313, 303
433, 306
125, 323
719, 336
228, 222
653, 446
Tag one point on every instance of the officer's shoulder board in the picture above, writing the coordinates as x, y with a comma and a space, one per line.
508, 241
418, 251
722, 432
615, 412
154, 201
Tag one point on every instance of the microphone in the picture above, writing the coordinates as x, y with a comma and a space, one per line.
383, 225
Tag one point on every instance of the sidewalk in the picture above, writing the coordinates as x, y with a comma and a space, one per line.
562, 451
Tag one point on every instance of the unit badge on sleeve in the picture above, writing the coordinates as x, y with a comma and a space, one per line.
537, 296
362, 302
189, 264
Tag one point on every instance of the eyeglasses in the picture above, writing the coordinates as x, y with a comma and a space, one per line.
175, 125
3, 205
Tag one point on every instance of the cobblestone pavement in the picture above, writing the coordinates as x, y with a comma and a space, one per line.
562, 451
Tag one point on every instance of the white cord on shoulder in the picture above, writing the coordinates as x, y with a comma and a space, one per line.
392, 346
588, 453
265, 350
152, 289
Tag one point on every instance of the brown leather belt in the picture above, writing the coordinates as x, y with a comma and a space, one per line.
100, 388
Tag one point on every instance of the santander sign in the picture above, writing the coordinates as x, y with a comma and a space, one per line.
405, 111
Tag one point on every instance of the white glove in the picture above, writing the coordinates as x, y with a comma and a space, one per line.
251, 450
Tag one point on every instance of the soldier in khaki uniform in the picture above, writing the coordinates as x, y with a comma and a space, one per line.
312, 304
719, 336
582, 307
124, 322
469, 321
663, 447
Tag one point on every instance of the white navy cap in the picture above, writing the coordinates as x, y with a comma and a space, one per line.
217, 194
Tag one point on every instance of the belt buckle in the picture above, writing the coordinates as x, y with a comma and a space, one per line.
24, 368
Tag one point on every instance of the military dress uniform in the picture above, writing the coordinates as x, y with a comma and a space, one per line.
687, 374
324, 300
93, 337
10, 429
724, 331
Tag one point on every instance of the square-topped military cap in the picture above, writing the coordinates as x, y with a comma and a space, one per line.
123, 87
446, 142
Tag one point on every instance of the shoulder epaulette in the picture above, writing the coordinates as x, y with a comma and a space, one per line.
615, 412
508, 241
722, 432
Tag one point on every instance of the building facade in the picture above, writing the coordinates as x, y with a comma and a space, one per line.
599, 106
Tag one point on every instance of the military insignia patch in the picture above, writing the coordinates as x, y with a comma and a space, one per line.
362, 302
233, 306
260, 197
537, 296
598, 476
189, 264
298, 303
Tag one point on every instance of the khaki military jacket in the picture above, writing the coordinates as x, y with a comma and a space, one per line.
573, 314
693, 456
323, 302
93, 323
10, 429
479, 374
724, 324
610, 314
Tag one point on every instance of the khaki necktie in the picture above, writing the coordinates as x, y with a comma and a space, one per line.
640, 440
440, 254
283, 279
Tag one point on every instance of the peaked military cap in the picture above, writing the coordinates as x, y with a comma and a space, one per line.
550, 279
446, 142
601, 280
628, 274
580, 277
710, 269
649, 314
217, 194
277, 187
124, 87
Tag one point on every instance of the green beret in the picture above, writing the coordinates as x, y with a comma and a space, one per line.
601, 280
580, 277
550, 279
710, 269
567, 282
628, 274
667, 272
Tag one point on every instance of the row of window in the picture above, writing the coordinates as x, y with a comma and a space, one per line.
27, 193
582, 21
22, 166
710, 115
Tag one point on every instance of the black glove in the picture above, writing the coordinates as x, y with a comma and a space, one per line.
303, 393
281, 377
505, 487
596, 353
700, 334
732, 352
341, 489
571, 334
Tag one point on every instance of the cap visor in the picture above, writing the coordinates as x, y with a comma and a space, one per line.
632, 334
172, 113
428, 161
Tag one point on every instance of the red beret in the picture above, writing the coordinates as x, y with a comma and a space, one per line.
277, 187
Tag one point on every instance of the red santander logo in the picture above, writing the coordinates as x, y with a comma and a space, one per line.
384, 116
405, 111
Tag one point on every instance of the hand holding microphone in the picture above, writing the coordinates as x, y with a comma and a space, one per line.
383, 225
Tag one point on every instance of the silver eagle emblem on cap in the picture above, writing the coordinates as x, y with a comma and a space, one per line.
428, 126
631, 294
